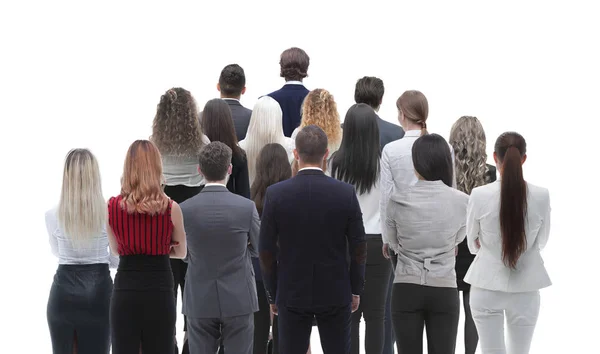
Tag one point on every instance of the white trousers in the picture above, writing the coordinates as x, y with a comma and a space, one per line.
489, 309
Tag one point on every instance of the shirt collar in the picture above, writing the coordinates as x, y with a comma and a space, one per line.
215, 184
311, 168
294, 82
230, 99
413, 133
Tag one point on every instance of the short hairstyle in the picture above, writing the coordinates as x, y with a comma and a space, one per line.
232, 80
294, 64
432, 158
311, 144
214, 161
369, 90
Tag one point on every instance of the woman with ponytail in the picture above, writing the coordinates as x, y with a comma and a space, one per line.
508, 224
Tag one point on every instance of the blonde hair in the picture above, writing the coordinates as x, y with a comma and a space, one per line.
467, 138
319, 108
265, 127
141, 184
82, 208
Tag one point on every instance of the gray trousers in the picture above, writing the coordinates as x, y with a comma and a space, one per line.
204, 334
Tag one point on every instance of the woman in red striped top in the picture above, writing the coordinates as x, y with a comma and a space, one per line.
145, 230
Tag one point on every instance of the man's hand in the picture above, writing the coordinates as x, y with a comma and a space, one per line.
274, 309
355, 302
386, 251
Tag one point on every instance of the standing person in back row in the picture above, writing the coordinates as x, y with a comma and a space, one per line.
294, 68
309, 223
232, 85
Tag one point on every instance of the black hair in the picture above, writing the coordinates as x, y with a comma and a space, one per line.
432, 158
369, 90
232, 80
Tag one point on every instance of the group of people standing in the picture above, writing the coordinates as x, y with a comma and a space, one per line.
283, 218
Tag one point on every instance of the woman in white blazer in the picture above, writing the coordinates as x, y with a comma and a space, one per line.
508, 223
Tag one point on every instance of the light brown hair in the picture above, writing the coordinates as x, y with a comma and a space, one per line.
414, 106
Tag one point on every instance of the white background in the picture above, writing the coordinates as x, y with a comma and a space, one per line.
89, 74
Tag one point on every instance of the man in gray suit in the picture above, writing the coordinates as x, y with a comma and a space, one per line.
222, 234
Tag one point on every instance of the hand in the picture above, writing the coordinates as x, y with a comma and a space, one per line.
386, 251
456, 251
477, 243
355, 302
274, 309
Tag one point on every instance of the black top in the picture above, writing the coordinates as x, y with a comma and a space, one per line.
239, 181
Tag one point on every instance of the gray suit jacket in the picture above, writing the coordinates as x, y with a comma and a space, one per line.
222, 235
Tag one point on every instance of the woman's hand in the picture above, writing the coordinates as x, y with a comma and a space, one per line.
386, 251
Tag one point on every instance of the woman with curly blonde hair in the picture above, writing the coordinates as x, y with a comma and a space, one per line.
467, 138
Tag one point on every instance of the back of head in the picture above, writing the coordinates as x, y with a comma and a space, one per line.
214, 161
176, 130
272, 166
432, 158
265, 127
369, 90
414, 106
294, 64
141, 183
82, 208
357, 160
232, 81
311, 145
510, 149
319, 108
467, 138
217, 124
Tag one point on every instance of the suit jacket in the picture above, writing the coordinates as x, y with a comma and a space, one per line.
222, 235
239, 181
308, 224
388, 132
241, 118
290, 97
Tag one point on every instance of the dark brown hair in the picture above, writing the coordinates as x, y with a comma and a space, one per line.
232, 81
272, 166
510, 148
413, 104
214, 161
311, 144
294, 64
217, 124
369, 90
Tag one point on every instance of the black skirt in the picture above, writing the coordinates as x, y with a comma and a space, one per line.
78, 307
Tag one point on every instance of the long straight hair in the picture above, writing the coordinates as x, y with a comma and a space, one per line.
272, 167
217, 124
510, 148
357, 160
432, 159
82, 208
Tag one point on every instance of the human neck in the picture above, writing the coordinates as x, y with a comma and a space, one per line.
231, 97
288, 80
223, 182
412, 126
303, 165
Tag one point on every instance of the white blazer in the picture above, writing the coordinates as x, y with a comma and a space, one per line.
488, 270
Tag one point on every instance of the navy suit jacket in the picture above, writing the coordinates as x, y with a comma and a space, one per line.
241, 118
309, 223
388, 132
290, 97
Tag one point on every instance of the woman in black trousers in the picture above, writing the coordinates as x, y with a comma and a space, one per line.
467, 138
358, 162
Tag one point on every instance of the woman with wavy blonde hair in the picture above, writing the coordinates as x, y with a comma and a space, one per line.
145, 228
467, 138
79, 302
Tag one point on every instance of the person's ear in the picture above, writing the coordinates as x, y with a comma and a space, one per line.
230, 169
326, 155
495, 158
296, 156
218, 87
523, 159
200, 171
244, 90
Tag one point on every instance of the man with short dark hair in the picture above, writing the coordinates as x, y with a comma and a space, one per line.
370, 90
308, 225
232, 85
293, 64
222, 234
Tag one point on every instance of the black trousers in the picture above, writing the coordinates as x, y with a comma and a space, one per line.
373, 299
389, 336
295, 326
262, 320
471, 335
417, 306
78, 307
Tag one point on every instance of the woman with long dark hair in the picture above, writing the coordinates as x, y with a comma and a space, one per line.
357, 163
467, 137
272, 166
508, 224
217, 124
425, 223
79, 302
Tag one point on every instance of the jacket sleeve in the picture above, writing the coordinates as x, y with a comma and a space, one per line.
386, 185
267, 247
355, 234
242, 179
473, 223
544, 232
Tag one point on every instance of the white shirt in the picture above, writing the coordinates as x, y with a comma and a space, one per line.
215, 184
488, 270
292, 82
183, 170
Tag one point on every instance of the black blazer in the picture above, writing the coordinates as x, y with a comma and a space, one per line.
239, 181
388, 132
308, 224
241, 118
464, 257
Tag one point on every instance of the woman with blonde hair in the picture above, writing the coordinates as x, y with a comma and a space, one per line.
79, 302
145, 228
177, 134
265, 128
467, 137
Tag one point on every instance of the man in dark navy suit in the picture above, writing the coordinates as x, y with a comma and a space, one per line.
232, 85
309, 223
293, 68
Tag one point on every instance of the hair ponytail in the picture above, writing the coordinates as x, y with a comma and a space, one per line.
510, 149
414, 106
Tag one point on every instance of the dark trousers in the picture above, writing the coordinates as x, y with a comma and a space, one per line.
373, 299
389, 336
262, 320
471, 336
417, 306
295, 326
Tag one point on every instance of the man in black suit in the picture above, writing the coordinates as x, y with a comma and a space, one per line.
309, 223
369, 90
232, 85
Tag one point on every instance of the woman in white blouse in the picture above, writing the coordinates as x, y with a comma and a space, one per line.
79, 302
508, 223
265, 127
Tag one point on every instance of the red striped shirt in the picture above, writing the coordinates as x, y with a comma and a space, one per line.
138, 233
